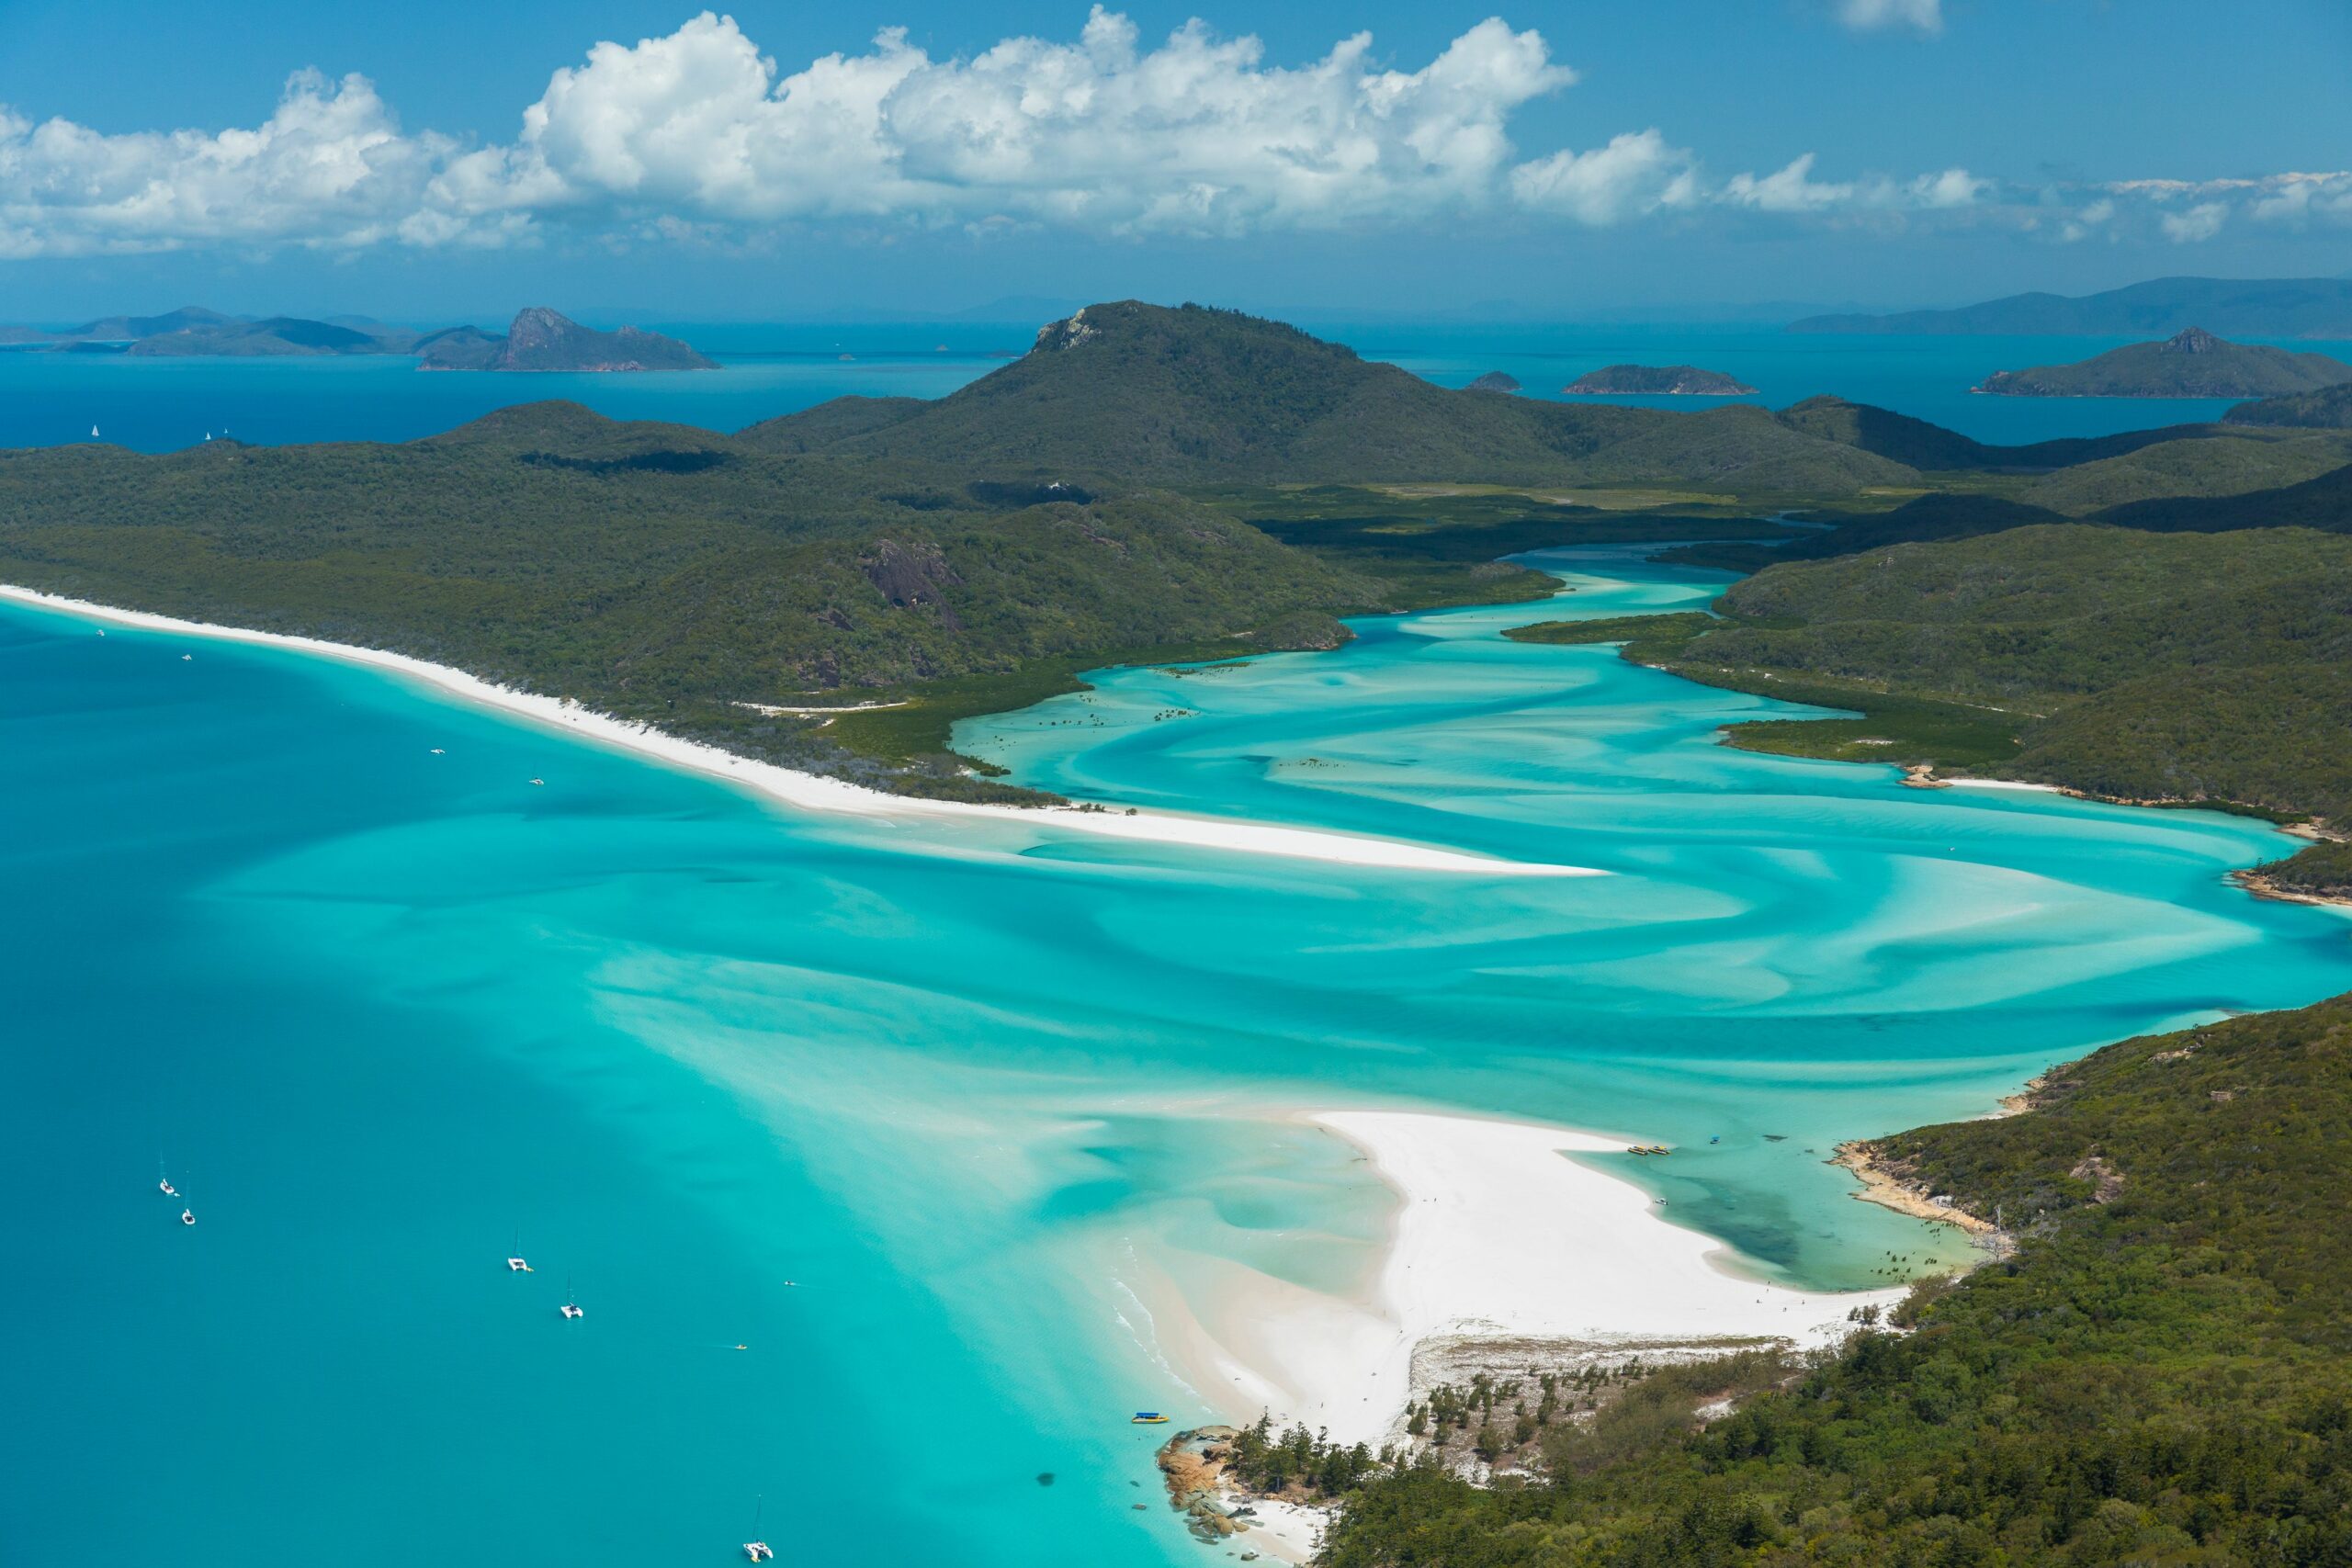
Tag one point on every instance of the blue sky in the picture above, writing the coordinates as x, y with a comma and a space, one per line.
430, 159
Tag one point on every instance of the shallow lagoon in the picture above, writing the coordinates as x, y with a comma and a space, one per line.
907, 1108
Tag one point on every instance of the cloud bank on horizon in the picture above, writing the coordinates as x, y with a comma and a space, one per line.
698, 134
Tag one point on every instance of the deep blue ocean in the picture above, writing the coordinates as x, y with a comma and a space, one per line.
886, 1155
156, 405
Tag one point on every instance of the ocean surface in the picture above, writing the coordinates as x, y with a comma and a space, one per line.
877, 1152
156, 405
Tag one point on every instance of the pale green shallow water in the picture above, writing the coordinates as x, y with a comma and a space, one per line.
378, 1008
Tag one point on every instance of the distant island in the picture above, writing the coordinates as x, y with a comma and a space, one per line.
1656, 381
539, 339
1494, 381
2192, 364
2292, 307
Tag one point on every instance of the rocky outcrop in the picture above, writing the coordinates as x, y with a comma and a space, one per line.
913, 575
1193, 1464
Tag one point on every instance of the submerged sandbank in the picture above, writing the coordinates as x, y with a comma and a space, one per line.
812, 792
1497, 1234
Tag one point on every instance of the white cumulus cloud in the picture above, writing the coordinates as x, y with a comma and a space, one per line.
1195, 134
329, 168
698, 137
1634, 173
1928, 16
1791, 189
2201, 222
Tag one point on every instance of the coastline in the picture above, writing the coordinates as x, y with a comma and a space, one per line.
1496, 1237
1889, 1188
813, 792
2262, 886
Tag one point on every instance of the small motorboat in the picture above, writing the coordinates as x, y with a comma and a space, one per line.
438, 753
188, 1216
1147, 1419
538, 781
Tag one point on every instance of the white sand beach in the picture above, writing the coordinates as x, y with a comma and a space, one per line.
810, 791
1496, 1233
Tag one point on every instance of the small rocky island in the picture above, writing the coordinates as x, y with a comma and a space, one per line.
1656, 381
2193, 364
1494, 381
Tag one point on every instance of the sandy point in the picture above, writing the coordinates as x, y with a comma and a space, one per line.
1497, 1234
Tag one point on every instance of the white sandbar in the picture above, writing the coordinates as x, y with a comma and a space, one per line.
811, 792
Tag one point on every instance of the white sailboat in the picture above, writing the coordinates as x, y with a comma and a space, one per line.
570, 1307
163, 1182
516, 1263
756, 1550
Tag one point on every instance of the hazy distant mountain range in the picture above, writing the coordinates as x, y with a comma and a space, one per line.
2292, 307
539, 339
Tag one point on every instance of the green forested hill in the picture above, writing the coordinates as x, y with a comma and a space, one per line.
2160, 1375
2201, 468
1920, 444
2324, 503
2330, 408
655, 571
2169, 667
1197, 395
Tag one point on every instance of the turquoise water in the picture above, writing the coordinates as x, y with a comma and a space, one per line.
163, 404
907, 1109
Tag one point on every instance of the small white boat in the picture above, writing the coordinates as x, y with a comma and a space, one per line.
166, 1188
518, 1266
94, 433
570, 1307
438, 753
756, 1550
186, 657
538, 781
188, 1216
